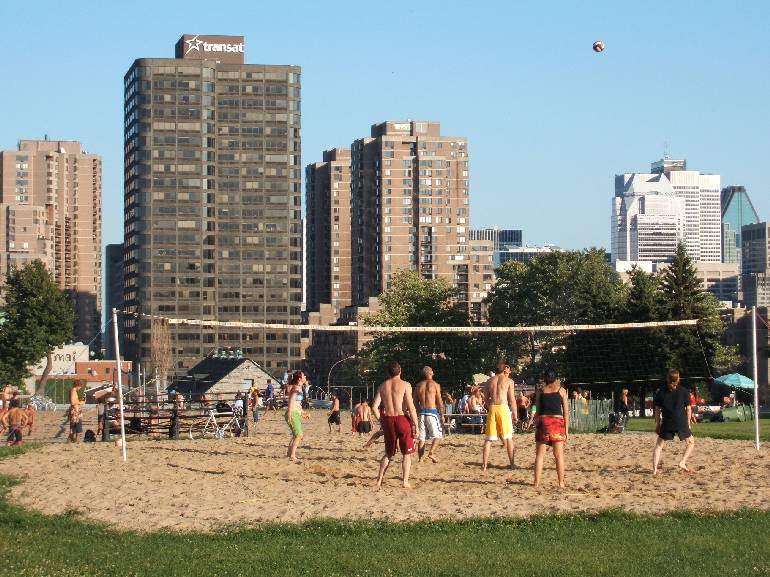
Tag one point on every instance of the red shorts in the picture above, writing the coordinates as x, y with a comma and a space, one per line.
550, 429
397, 429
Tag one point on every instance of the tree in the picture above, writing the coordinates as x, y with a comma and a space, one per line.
414, 302
557, 288
40, 318
682, 298
642, 300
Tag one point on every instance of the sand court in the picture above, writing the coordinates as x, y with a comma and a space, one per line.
206, 485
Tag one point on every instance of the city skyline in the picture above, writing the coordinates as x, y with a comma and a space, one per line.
573, 121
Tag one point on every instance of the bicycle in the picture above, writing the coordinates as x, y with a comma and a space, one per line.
210, 428
42, 403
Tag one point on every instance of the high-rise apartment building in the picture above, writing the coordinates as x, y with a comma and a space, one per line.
703, 215
406, 192
755, 280
113, 297
51, 209
410, 205
329, 231
648, 218
213, 228
737, 211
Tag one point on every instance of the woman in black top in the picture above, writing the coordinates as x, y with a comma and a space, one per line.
551, 425
672, 416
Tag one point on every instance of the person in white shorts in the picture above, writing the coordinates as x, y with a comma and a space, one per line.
430, 414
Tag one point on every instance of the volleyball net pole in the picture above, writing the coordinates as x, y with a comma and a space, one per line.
755, 374
120, 385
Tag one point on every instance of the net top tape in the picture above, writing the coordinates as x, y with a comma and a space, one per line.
382, 329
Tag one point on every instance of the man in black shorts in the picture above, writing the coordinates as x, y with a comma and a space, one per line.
672, 416
334, 414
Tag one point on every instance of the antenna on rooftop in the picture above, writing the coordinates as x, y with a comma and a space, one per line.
666, 150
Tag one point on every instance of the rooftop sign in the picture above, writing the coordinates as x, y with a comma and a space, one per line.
228, 49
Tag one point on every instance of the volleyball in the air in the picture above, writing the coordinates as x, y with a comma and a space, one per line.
599, 46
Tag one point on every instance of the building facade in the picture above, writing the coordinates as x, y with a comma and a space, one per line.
328, 237
51, 210
212, 227
648, 219
701, 193
524, 253
502, 239
113, 297
755, 280
737, 211
410, 202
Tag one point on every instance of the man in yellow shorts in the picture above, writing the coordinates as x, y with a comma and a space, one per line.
501, 414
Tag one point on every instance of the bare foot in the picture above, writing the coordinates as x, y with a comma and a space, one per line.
562, 485
684, 469
379, 483
483, 468
406, 485
655, 472
433, 458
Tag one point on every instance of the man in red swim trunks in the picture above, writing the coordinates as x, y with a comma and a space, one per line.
394, 394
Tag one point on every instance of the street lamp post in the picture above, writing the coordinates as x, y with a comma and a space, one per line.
329, 376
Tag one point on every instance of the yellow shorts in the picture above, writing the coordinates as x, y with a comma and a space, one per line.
499, 423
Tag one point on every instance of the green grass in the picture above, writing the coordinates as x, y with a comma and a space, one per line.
609, 544
732, 430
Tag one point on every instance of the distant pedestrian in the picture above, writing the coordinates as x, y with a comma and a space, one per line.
75, 412
334, 414
270, 397
14, 420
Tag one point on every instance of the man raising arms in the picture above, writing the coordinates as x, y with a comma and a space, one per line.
430, 414
500, 399
393, 394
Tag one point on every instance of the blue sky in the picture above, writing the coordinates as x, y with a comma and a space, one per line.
549, 121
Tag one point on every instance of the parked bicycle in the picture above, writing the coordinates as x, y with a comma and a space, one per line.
217, 425
41, 403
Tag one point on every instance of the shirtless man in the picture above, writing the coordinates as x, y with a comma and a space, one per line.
5, 400
334, 414
294, 413
393, 394
430, 413
76, 417
30, 412
355, 418
364, 412
501, 401
14, 419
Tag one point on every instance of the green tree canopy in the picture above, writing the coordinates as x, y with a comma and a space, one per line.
682, 297
39, 318
413, 302
557, 288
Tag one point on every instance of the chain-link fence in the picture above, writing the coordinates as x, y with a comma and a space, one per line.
589, 416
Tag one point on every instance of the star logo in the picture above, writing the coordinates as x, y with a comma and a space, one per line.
193, 44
